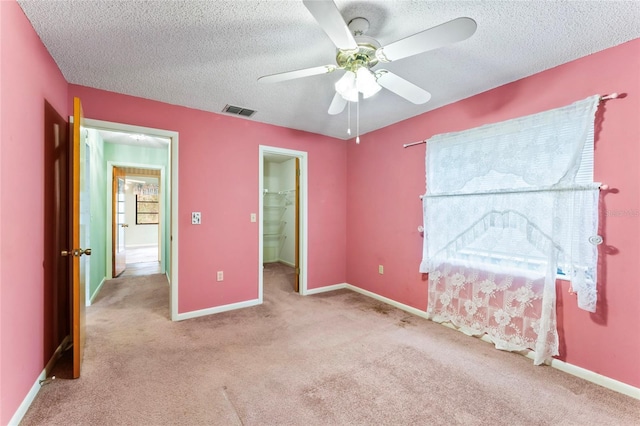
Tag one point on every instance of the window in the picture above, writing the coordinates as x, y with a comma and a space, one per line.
508, 206
147, 209
517, 194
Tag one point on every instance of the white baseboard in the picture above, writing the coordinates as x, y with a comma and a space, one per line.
31, 396
284, 262
218, 309
574, 370
594, 377
325, 289
95, 293
249, 303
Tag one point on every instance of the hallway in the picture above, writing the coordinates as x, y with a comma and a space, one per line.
142, 261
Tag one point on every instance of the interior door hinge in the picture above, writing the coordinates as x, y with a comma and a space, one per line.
298, 271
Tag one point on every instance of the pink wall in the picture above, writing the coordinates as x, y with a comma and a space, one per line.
218, 176
369, 221
383, 211
29, 76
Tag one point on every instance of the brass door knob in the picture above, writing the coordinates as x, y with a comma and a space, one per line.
76, 253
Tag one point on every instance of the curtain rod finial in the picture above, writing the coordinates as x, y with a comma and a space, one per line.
613, 95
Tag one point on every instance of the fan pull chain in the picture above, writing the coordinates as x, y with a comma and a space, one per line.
349, 118
358, 119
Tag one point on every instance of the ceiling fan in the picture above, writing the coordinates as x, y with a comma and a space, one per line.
358, 54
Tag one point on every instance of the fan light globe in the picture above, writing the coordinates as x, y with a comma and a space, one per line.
366, 82
363, 80
346, 84
351, 95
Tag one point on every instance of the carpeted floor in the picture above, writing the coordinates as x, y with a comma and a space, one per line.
336, 358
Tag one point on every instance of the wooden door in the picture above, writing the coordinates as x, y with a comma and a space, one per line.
57, 269
118, 222
296, 249
80, 223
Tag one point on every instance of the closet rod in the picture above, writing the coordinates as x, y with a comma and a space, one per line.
288, 191
613, 95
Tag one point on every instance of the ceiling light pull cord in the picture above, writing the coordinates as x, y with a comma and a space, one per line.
349, 118
358, 119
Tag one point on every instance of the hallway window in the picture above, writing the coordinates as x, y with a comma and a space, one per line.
147, 209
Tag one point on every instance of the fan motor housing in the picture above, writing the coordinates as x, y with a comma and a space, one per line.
365, 55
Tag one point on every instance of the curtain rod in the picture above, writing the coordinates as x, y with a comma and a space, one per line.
602, 187
613, 95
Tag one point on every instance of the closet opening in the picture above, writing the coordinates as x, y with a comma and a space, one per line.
282, 222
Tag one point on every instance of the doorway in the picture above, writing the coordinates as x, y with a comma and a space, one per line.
136, 222
282, 227
131, 149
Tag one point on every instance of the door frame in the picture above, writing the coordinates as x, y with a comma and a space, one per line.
162, 222
303, 226
110, 243
170, 177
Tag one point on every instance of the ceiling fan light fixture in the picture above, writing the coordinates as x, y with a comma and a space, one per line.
351, 95
366, 82
346, 83
358, 54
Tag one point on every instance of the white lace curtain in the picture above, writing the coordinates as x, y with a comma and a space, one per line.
507, 206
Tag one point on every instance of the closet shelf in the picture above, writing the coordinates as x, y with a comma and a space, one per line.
285, 192
275, 207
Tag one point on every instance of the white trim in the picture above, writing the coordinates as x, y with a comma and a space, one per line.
388, 301
95, 293
163, 219
326, 288
218, 309
593, 377
563, 366
33, 392
171, 194
135, 246
173, 238
303, 156
249, 303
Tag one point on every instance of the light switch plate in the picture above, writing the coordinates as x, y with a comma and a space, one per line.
196, 218
253, 217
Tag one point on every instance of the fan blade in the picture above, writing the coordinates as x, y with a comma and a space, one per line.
328, 16
450, 32
337, 104
402, 87
290, 75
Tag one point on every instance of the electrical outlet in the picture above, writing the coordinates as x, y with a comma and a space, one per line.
220, 276
196, 218
380, 269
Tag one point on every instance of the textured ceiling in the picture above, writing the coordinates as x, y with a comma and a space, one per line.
207, 54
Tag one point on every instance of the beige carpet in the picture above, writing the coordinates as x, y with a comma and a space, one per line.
336, 358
